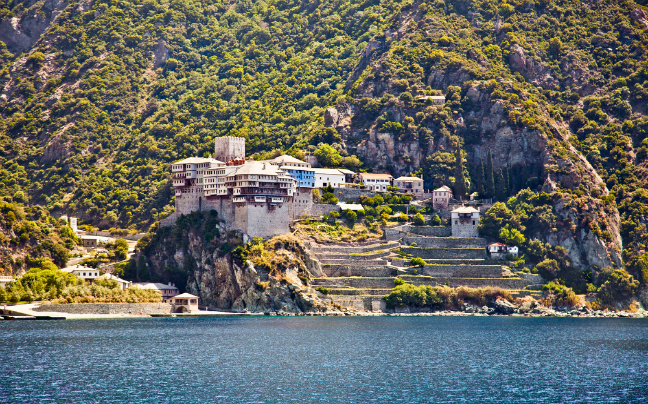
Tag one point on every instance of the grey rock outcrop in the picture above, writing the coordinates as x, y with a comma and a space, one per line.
531, 69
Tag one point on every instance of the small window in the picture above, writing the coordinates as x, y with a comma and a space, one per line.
473, 222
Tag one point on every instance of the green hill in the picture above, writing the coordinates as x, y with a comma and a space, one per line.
99, 97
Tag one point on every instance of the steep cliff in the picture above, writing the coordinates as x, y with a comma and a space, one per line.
202, 257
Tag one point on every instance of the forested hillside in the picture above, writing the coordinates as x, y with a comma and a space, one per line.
98, 97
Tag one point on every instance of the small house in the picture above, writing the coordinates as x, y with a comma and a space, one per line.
123, 285
376, 182
83, 272
184, 303
501, 250
410, 185
167, 291
441, 197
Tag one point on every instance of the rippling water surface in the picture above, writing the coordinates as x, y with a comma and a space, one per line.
325, 360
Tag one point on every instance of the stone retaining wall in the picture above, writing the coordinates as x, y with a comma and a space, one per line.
446, 242
361, 303
319, 209
327, 261
463, 271
365, 256
355, 270
352, 194
360, 283
433, 231
352, 249
445, 253
504, 283
107, 308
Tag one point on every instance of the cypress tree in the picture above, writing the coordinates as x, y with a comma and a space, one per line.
479, 178
489, 187
460, 180
505, 180
500, 186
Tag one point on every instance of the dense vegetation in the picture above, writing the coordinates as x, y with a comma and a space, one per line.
37, 236
60, 287
114, 90
442, 297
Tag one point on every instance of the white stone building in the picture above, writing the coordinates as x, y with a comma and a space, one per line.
410, 185
441, 197
501, 250
184, 303
328, 176
464, 222
167, 291
83, 272
376, 182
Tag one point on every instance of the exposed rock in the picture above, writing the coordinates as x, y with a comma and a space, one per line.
160, 53
331, 117
503, 307
639, 16
20, 33
532, 70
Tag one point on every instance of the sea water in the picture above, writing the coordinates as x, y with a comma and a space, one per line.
325, 360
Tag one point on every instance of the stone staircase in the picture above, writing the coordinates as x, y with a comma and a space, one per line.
360, 275
356, 275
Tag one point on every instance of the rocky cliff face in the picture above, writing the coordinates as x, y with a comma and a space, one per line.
22, 31
222, 282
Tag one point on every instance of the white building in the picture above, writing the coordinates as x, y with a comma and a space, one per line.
123, 285
184, 303
501, 250
410, 185
376, 182
328, 176
441, 197
464, 222
167, 291
83, 272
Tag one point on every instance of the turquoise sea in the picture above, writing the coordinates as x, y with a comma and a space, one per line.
325, 360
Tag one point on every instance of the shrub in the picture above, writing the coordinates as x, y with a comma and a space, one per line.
418, 219
619, 286
416, 296
435, 220
398, 281
322, 290
418, 261
559, 295
547, 268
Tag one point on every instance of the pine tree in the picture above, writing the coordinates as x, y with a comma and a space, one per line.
460, 180
479, 178
489, 187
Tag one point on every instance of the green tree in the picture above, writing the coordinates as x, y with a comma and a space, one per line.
511, 236
435, 220
328, 156
460, 186
618, 287
418, 219
489, 186
480, 179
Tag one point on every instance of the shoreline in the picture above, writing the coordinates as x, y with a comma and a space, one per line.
24, 312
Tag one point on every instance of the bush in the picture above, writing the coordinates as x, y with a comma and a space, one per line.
416, 296
418, 219
435, 220
418, 261
548, 269
619, 286
322, 290
559, 295
398, 281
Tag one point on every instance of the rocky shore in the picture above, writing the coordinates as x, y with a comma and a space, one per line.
500, 308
